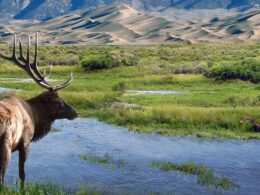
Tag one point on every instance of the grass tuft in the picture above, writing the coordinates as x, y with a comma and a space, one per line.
32, 189
205, 176
106, 161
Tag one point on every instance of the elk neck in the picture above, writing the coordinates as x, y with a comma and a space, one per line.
40, 115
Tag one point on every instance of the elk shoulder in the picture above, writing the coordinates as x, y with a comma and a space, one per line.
15, 120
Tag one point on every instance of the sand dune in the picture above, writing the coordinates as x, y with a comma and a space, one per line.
122, 24
242, 28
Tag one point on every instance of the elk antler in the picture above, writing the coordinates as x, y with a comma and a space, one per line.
32, 69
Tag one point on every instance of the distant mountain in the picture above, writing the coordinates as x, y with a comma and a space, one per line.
213, 4
42, 9
122, 24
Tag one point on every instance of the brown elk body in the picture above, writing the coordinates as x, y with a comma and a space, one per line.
22, 122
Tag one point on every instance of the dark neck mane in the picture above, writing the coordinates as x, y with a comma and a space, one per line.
42, 122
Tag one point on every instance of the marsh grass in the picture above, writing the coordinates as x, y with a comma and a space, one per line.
32, 189
185, 120
54, 130
235, 100
208, 108
106, 161
205, 176
51, 189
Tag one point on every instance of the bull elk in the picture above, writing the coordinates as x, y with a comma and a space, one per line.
22, 122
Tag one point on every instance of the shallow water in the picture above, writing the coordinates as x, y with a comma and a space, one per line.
5, 90
157, 92
56, 159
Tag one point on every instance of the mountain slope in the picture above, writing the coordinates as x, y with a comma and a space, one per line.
122, 24
244, 26
213, 4
42, 9
8, 9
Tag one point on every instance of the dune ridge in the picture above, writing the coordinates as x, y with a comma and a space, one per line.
122, 24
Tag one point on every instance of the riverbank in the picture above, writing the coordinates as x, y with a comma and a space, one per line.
205, 109
202, 107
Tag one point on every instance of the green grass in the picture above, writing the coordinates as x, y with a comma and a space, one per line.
208, 108
185, 120
106, 161
50, 189
54, 130
32, 189
205, 176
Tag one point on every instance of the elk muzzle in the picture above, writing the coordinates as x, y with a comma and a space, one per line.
72, 114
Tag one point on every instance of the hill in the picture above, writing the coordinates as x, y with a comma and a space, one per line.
122, 24
43, 9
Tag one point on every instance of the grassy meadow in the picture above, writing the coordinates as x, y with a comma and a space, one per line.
49, 189
208, 107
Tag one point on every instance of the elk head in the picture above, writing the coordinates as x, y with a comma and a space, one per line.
55, 107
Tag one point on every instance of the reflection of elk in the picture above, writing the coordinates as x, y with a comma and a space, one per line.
22, 122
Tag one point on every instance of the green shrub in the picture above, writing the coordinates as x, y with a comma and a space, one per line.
193, 68
98, 62
121, 86
124, 58
109, 59
248, 69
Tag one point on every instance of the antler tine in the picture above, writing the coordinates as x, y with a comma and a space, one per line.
22, 58
29, 69
36, 49
65, 84
28, 51
58, 87
50, 71
13, 58
34, 64
14, 47
32, 69
49, 74
41, 78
